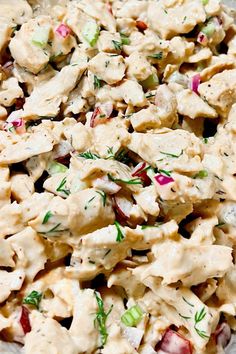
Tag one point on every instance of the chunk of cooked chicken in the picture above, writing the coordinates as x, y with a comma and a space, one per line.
154, 147
108, 68
173, 17
7, 253
89, 210
45, 100
217, 263
13, 223
167, 105
47, 335
5, 32
28, 247
146, 119
220, 91
28, 146
32, 56
10, 91
138, 67
12, 13
193, 106
10, 281
132, 93
107, 40
22, 186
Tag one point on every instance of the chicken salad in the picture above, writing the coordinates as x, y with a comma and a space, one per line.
117, 168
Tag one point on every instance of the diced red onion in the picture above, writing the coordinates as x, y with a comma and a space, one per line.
219, 20
122, 207
173, 343
163, 180
63, 30
106, 185
142, 26
8, 64
8, 67
18, 123
24, 320
109, 6
15, 120
195, 82
96, 112
223, 334
101, 114
138, 168
139, 171
145, 178
13, 116
202, 38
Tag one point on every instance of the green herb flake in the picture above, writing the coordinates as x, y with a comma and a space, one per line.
107, 252
187, 302
202, 334
101, 318
220, 224
199, 316
89, 155
171, 155
150, 95
88, 202
97, 83
103, 196
158, 224
61, 188
134, 181
120, 236
205, 140
33, 299
165, 172
184, 317
53, 229
121, 156
156, 56
117, 45
55, 56
11, 129
47, 216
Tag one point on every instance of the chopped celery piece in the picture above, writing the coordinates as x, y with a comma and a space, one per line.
201, 174
124, 39
41, 36
91, 32
205, 2
209, 29
151, 82
132, 316
56, 167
